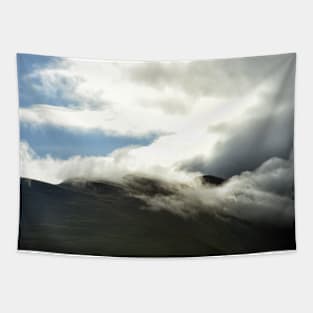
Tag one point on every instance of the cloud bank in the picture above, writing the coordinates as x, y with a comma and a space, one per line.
265, 194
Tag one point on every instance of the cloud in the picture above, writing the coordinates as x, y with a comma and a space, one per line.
233, 77
245, 145
216, 117
170, 105
262, 131
264, 195
261, 196
56, 84
112, 167
109, 121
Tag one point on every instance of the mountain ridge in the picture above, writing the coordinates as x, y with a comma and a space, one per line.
71, 219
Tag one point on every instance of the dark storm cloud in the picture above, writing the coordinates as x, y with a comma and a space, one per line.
246, 147
258, 135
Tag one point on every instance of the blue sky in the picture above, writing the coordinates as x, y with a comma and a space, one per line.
60, 142
26, 65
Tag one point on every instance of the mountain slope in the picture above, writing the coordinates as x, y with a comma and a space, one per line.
102, 218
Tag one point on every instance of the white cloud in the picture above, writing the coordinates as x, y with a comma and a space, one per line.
112, 167
197, 108
262, 195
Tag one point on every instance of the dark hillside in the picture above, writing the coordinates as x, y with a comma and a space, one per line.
101, 218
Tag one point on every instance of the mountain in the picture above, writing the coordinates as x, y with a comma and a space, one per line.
103, 218
214, 180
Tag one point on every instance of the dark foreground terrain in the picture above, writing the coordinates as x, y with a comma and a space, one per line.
100, 218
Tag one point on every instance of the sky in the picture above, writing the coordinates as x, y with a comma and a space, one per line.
176, 120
